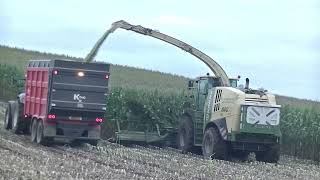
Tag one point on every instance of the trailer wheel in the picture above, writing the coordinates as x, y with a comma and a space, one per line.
17, 117
214, 147
272, 155
185, 134
8, 118
34, 130
41, 139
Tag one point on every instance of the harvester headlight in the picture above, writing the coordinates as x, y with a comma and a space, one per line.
263, 115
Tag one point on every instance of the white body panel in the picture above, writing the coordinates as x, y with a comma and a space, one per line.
229, 106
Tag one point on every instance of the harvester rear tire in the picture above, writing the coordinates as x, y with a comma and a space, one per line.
214, 147
272, 155
16, 122
8, 118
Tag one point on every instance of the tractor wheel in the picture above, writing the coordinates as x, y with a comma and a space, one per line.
185, 135
214, 147
8, 118
272, 155
16, 122
34, 127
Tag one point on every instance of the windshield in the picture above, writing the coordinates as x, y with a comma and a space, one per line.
233, 82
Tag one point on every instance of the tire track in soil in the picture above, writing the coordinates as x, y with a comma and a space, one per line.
61, 150
111, 161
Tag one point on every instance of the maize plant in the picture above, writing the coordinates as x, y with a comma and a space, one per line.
149, 107
301, 131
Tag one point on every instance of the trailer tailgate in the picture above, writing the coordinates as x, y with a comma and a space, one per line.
79, 87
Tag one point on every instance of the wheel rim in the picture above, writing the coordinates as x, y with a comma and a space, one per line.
182, 138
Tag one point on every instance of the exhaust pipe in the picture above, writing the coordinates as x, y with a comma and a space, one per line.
247, 83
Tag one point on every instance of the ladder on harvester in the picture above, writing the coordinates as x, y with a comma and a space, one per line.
198, 127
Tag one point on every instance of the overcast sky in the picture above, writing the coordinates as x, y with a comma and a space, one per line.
274, 43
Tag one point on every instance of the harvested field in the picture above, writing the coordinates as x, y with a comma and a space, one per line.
21, 159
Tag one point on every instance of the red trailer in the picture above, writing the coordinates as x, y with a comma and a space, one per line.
62, 99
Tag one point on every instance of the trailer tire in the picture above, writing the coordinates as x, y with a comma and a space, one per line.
34, 127
214, 147
16, 122
8, 118
41, 139
185, 135
272, 155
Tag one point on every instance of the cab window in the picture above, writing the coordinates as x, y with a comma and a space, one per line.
202, 86
233, 83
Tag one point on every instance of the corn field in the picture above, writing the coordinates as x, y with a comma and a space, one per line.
9, 83
146, 107
301, 132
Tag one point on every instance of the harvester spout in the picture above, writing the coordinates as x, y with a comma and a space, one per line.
212, 64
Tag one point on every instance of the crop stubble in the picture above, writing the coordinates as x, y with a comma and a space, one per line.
22, 159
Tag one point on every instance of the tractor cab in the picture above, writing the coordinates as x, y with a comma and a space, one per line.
202, 86
234, 82
207, 82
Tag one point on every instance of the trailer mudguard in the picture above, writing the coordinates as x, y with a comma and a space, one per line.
49, 130
94, 132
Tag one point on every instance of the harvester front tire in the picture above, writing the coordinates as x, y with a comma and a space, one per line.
185, 135
214, 147
8, 118
272, 155
16, 123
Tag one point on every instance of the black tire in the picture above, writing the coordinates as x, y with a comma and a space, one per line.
8, 118
16, 122
214, 147
185, 135
41, 139
272, 155
34, 127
